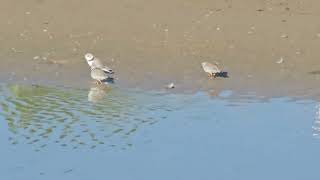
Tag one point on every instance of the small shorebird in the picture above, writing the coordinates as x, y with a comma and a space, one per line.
99, 75
170, 86
211, 69
96, 63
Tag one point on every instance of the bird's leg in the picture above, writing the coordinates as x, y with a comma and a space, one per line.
100, 82
96, 82
209, 74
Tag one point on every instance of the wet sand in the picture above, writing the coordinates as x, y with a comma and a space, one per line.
152, 43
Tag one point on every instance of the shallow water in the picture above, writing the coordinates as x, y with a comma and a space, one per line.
64, 133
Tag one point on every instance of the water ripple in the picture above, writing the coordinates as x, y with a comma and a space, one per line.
43, 117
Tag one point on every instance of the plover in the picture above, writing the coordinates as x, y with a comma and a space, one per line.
94, 62
99, 75
170, 86
211, 69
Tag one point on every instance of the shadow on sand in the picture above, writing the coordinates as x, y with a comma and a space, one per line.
222, 75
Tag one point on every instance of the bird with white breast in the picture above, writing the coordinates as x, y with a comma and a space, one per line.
94, 62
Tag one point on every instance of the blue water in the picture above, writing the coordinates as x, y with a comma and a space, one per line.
111, 133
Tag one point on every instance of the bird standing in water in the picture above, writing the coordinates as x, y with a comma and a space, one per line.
99, 75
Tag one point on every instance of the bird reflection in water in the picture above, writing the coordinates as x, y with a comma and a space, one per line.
97, 93
44, 117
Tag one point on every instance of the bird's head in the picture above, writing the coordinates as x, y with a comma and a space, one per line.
89, 58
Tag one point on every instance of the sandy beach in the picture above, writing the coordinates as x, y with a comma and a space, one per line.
268, 47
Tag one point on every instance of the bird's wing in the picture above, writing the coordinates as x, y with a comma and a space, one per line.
97, 63
106, 68
99, 74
